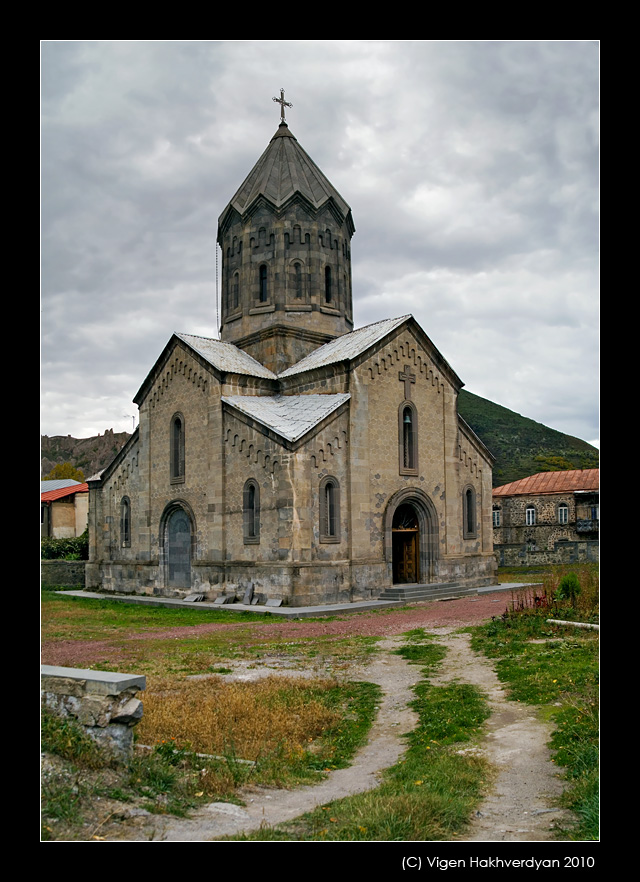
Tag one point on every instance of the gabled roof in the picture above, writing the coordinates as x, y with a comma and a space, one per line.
61, 492
347, 347
350, 347
226, 357
290, 416
56, 484
283, 171
572, 481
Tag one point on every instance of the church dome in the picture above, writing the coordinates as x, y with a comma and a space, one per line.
285, 239
283, 172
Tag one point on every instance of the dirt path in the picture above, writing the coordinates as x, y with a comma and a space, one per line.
518, 809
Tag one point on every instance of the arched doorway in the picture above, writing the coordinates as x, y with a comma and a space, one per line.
177, 547
411, 537
406, 545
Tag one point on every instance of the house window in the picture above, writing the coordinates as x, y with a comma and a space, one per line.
530, 516
263, 293
125, 522
251, 512
329, 510
408, 438
177, 448
497, 517
469, 513
563, 513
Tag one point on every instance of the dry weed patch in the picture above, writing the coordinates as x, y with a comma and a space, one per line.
249, 720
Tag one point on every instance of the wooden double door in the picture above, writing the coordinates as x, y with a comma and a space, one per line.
406, 545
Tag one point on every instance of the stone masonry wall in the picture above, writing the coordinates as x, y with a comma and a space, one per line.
105, 704
62, 573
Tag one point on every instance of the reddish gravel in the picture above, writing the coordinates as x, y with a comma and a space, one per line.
441, 614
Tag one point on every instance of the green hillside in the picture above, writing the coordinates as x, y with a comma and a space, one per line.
521, 446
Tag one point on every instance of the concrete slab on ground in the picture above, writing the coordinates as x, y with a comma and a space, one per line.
287, 612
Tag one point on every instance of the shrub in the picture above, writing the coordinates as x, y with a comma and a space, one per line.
568, 588
74, 548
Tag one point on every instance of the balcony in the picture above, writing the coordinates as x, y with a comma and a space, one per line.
587, 525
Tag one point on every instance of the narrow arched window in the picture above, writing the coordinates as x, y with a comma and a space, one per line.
251, 512
177, 448
263, 293
530, 516
236, 290
469, 513
297, 269
125, 522
408, 438
563, 513
329, 510
328, 292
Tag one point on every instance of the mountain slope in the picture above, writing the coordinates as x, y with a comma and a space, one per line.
88, 454
522, 446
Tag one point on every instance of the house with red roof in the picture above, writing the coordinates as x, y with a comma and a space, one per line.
64, 509
551, 517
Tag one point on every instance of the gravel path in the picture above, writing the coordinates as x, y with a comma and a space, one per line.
519, 807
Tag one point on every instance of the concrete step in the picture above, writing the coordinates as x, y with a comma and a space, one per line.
433, 591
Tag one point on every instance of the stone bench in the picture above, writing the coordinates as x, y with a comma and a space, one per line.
103, 702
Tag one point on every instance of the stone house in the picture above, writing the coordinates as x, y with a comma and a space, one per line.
295, 456
64, 509
551, 517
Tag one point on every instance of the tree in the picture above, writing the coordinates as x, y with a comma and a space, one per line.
64, 470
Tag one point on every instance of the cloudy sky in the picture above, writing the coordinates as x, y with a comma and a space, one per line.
471, 168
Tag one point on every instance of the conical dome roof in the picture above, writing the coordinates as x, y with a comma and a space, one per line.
283, 172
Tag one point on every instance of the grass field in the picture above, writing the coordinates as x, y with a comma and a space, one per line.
284, 731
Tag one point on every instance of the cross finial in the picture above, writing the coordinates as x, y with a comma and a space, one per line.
407, 378
282, 104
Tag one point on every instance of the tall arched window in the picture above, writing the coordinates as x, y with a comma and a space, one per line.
177, 448
328, 289
329, 510
251, 512
530, 516
408, 438
263, 292
563, 513
297, 269
125, 522
470, 527
236, 290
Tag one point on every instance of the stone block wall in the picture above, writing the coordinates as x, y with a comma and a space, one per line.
62, 573
105, 704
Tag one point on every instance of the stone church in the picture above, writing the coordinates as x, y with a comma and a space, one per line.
295, 457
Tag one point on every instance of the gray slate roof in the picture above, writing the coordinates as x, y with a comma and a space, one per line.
57, 484
347, 347
283, 170
226, 357
291, 416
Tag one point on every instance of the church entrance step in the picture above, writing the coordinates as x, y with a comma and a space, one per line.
412, 593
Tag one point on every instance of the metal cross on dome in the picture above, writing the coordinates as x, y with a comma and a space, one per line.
282, 104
